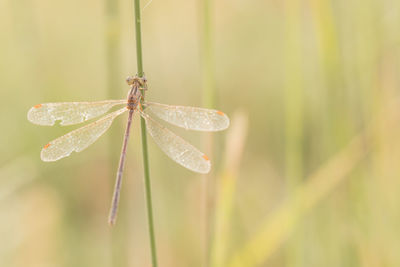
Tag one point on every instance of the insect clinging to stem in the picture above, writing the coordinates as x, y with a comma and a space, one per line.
68, 113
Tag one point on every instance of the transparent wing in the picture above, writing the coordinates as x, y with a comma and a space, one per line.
78, 139
69, 112
190, 118
176, 148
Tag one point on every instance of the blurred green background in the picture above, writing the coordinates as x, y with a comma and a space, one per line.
307, 174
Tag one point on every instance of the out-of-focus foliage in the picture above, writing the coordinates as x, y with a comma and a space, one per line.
308, 174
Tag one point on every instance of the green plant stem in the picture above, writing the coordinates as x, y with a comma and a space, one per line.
148, 193
144, 138
138, 23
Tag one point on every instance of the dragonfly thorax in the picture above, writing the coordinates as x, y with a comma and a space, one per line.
132, 103
137, 84
134, 96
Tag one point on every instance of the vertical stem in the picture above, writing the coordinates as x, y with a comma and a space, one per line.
148, 193
144, 138
138, 23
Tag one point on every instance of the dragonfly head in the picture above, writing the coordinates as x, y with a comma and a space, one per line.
131, 80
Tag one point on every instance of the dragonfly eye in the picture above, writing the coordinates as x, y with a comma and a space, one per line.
130, 80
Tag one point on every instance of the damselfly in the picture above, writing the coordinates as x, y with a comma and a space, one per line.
68, 113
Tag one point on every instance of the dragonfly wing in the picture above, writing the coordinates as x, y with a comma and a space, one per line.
69, 112
78, 139
176, 148
190, 118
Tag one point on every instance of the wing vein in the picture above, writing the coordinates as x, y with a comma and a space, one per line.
69, 113
190, 118
176, 147
78, 139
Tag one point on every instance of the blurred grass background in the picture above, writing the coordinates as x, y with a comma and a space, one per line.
307, 175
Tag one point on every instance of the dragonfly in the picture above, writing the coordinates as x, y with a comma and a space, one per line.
175, 147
